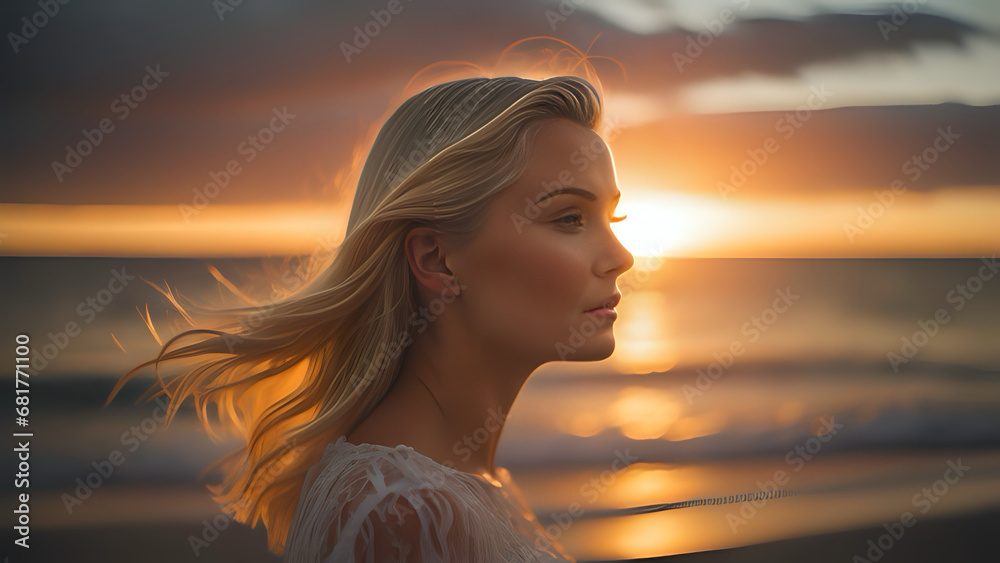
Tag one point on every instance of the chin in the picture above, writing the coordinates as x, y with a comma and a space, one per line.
602, 353
594, 350
584, 342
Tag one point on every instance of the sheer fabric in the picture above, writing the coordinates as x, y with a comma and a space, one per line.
372, 503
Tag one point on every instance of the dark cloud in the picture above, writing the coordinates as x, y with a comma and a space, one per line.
850, 148
774, 47
781, 47
226, 76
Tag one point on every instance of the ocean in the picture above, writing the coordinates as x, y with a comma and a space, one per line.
866, 388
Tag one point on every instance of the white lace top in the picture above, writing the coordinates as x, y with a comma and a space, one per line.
372, 503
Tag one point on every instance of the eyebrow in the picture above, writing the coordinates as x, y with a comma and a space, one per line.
577, 191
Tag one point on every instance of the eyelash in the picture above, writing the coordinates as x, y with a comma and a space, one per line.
579, 216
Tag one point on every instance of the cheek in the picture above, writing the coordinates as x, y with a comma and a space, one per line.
538, 284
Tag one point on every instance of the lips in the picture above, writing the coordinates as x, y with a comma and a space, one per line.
608, 303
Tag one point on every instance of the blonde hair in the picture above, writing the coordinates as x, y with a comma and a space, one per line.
312, 366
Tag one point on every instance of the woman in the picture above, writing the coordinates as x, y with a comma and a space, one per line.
372, 400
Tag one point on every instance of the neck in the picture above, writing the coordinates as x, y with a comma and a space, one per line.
460, 391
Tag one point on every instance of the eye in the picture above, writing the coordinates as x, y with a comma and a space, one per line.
576, 219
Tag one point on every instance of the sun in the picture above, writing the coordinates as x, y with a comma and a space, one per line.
669, 223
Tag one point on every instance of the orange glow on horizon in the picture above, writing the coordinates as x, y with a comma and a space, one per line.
162, 231
953, 223
945, 223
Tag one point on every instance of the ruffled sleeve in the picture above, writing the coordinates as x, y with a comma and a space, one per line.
368, 504
420, 526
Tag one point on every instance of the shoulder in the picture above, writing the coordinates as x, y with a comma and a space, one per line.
360, 498
356, 476
380, 469
378, 503
425, 523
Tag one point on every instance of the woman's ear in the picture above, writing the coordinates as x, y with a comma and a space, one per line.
426, 255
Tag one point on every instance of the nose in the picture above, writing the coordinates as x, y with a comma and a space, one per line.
621, 260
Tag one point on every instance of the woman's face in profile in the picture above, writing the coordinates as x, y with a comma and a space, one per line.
534, 270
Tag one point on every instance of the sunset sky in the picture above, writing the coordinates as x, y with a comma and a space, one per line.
765, 128
779, 162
